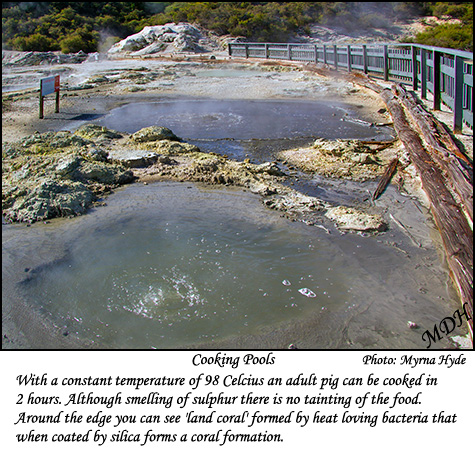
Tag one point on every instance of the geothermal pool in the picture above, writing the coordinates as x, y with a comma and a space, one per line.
242, 119
240, 128
172, 265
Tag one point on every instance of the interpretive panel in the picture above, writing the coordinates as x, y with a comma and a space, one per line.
49, 85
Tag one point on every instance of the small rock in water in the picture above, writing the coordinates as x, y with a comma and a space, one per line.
307, 292
350, 219
412, 325
286, 282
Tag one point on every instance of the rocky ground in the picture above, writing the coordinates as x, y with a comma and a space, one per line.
48, 175
393, 31
50, 172
53, 168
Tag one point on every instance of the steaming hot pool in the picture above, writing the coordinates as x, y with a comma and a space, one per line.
172, 265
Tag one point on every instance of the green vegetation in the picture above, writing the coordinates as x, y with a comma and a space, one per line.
457, 35
91, 26
70, 26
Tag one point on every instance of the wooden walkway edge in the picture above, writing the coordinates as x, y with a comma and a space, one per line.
455, 166
449, 211
447, 179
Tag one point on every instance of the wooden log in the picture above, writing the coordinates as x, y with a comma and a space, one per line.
458, 175
456, 234
386, 178
433, 130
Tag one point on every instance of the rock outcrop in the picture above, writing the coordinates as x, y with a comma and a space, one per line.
169, 38
154, 133
346, 159
133, 158
47, 175
63, 174
12, 58
350, 219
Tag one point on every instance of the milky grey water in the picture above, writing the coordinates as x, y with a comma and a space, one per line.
238, 127
176, 265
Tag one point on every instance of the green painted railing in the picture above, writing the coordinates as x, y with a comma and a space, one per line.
446, 74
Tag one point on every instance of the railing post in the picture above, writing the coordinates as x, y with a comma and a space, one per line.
423, 74
349, 58
365, 59
230, 51
436, 62
324, 54
414, 67
267, 51
289, 55
458, 101
335, 56
385, 63
247, 50
316, 54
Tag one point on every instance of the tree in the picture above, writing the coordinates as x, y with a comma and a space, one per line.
81, 40
35, 42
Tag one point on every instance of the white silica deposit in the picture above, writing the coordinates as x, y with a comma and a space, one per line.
181, 37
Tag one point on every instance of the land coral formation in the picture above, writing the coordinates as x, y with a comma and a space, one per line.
347, 159
63, 174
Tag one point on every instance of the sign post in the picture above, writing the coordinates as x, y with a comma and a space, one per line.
49, 85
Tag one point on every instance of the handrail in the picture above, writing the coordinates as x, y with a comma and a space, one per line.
446, 73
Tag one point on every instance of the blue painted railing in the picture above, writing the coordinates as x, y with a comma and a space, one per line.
446, 74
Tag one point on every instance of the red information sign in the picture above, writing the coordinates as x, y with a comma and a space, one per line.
49, 85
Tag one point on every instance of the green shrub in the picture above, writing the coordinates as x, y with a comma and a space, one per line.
35, 42
81, 40
452, 36
74, 26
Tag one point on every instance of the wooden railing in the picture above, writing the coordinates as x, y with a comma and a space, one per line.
446, 74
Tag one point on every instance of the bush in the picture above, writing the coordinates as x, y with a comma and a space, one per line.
80, 40
74, 26
452, 36
35, 42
